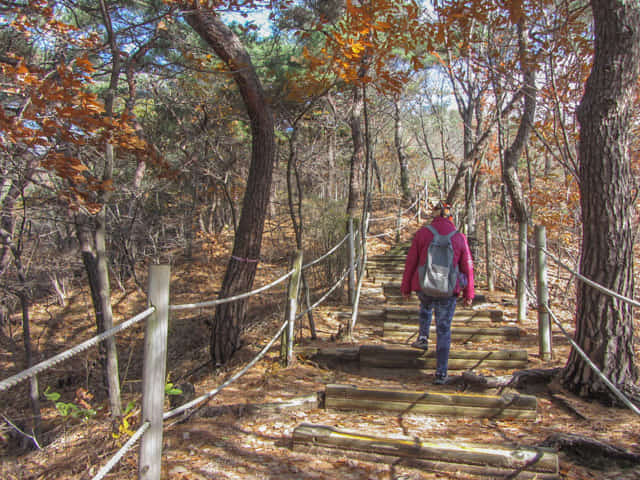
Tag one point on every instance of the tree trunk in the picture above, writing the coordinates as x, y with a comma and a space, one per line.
357, 158
241, 270
604, 327
33, 381
512, 155
402, 158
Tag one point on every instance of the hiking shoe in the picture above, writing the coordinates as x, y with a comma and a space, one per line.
422, 343
440, 380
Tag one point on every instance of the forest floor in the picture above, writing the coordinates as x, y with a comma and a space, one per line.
229, 440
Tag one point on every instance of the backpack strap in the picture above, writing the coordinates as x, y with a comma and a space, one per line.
448, 236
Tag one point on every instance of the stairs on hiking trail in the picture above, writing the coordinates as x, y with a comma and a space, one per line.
395, 324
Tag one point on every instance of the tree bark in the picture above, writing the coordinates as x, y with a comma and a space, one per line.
604, 327
402, 158
512, 155
241, 270
357, 158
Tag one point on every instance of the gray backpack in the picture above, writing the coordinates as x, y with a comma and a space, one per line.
438, 276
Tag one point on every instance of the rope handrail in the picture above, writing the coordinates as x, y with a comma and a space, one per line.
318, 260
396, 216
326, 295
595, 368
261, 354
591, 283
581, 352
123, 450
211, 303
393, 231
229, 381
34, 370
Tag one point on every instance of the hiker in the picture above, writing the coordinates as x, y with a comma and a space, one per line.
444, 305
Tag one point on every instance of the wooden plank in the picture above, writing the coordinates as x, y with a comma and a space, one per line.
401, 357
535, 460
404, 331
372, 314
341, 354
350, 392
410, 313
432, 409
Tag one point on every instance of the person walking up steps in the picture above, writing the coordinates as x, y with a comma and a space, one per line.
442, 301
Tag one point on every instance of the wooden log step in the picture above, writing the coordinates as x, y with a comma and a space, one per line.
392, 290
348, 397
493, 461
404, 331
383, 259
331, 354
410, 314
412, 358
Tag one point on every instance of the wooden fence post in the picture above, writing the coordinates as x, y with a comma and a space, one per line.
544, 325
352, 263
488, 249
154, 373
286, 347
521, 287
363, 259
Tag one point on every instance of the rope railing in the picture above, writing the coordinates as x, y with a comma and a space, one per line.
40, 367
591, 283
395, 230
257, 358
577, 348
409, 208
201, 399
318, 260
229, 381
34, 370
329, 292
121, 453
211, 303
595, 368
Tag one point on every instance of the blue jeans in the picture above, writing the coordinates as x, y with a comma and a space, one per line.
444, 309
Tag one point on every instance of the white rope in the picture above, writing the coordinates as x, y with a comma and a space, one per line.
318, 260
329, 292
30, 372
211, 303
609, 384
120, 453
262, 353
584, 356
217, 390
396, 216
592, 283
394, 231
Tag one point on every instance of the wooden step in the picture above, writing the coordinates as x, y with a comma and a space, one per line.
385, 259
408, 332
381, 356
410, 314
440, 455
348, 397
406, 359
391, 290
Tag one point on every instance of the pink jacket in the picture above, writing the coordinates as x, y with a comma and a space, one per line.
418, 256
